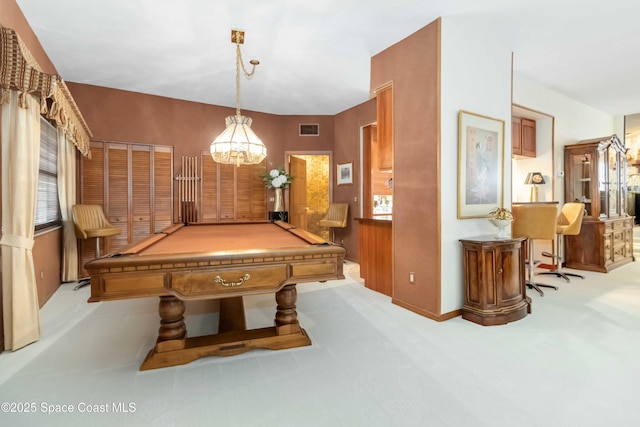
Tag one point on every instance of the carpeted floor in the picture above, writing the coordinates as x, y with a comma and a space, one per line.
572, 362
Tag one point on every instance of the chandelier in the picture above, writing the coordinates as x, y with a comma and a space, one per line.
238, 144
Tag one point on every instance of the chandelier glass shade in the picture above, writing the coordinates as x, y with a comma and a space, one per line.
238, 144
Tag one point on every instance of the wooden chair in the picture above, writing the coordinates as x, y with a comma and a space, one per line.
534, 221
569, 223
91, 223
336, 217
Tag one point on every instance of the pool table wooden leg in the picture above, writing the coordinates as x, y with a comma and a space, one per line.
286, 314
174, 348
232, 317
173, 331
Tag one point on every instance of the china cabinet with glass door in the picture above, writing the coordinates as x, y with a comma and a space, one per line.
596, 172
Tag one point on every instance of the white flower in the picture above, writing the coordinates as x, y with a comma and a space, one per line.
278, 181
276, 178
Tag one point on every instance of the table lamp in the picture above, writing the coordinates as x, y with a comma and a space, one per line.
534, 178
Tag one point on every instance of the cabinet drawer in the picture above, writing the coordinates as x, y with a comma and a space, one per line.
203, 282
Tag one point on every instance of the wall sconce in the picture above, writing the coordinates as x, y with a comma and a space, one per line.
534, 178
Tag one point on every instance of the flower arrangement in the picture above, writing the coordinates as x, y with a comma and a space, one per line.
277, 178
501, 214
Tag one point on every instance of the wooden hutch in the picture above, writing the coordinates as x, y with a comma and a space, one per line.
596, 175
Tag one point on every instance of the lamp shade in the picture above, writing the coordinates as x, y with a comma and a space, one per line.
238, 144
534, 178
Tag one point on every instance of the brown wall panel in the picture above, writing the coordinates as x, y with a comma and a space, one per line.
412, 65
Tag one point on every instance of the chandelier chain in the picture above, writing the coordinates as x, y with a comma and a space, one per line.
248, 75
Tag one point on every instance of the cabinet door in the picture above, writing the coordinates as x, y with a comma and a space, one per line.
140, 192
510, 274
516, 135
91, 193
243, 192
117, 206
226, 192
528, 138
581, 180
209, 186
258, 192
162, 188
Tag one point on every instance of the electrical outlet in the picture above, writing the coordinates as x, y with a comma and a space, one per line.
412, 277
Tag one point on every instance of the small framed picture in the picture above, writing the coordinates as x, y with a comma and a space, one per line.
345, 173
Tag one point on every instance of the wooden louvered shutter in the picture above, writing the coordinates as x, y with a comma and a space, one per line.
258, 192
162, 188
91, 193
243, 192
209, 188
226, 192
117, 206
140, 192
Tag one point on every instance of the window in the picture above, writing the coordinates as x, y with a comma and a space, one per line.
47, 207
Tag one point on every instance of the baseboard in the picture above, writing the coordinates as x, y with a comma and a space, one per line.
428, 314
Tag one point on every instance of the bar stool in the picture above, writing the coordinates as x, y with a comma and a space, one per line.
91, 223
534, 221
569, 223
336, 217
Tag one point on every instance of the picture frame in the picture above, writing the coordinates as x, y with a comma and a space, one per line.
480, 164
344, 173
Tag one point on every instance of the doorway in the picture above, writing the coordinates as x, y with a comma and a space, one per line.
310, 190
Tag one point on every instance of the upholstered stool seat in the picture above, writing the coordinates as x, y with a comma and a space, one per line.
91, 223
569, 223
336, 217
534, 221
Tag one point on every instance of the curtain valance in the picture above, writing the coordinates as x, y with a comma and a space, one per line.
19, 71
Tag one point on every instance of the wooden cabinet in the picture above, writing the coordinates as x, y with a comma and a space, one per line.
231, 193
376, 255
595, 174
134, 185
523, 137
494, 280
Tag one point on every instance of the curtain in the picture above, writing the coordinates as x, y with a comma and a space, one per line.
67, 198
20, 162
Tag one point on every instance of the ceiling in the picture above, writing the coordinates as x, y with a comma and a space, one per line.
315, 55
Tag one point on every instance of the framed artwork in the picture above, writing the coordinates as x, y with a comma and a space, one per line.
480, 164
345, 173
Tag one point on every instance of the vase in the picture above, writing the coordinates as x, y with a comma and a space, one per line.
502, 225
278, 204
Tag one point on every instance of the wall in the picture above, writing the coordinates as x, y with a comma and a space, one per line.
412, 67
574, 121
117, 115
47, 264
476, 77
346, 149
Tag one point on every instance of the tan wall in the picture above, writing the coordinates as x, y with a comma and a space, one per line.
47, 250
117, 115
412, 66
347, 149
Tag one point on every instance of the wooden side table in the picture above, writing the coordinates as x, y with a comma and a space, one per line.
494, 280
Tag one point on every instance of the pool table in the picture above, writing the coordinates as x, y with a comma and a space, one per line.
224, 261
